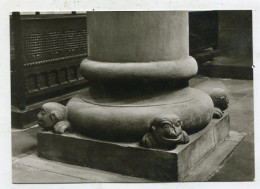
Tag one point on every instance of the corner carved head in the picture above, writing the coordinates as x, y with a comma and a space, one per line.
219, 98
165, 132
50, 114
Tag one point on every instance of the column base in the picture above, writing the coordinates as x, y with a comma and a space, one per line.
130, 158
128, 118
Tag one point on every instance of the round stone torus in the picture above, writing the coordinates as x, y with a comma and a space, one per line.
129, 119
163, 70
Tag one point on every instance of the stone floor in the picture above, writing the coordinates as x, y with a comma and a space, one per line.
239, 166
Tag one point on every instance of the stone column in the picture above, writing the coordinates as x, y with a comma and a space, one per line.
157, 38
235, 35
138, 68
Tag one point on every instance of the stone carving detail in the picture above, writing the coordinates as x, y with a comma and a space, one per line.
220, 100
165, 132
53, 116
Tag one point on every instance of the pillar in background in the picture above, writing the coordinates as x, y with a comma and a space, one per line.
235, 57
235, 34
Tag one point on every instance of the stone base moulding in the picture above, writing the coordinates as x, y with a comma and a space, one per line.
118, 119
130, 158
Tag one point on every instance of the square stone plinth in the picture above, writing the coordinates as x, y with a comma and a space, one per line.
130, 158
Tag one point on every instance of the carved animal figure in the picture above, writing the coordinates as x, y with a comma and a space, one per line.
53, 116
165, 132
220, 100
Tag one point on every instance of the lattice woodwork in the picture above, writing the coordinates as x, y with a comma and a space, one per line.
55, 43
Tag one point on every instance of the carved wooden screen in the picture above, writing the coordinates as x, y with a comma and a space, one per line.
46, 51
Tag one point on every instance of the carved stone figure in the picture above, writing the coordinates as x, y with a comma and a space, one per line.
165, 132
220, 100
53, 116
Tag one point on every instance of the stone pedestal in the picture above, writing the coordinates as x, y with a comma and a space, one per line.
130, 158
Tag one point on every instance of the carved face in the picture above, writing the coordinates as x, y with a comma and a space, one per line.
165, 133
168, 130
51, 113
219, 98
46, 119
224, 101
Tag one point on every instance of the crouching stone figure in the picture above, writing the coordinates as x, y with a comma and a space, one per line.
53, 116
165, 132
220, 100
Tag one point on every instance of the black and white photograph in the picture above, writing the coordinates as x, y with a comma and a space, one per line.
132, 95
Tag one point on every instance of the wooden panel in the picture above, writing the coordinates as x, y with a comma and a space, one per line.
51, 49
53, 78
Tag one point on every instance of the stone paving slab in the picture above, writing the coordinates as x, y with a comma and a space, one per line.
243, 121
211, 164
209, 84
26, 174
24, 141
244, 104
237, 168
35, 168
